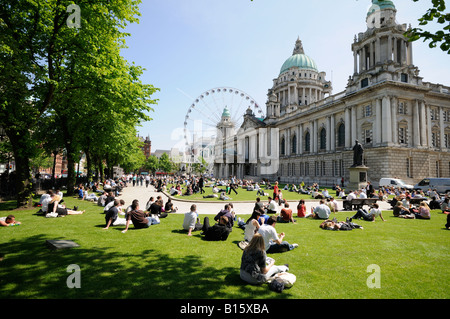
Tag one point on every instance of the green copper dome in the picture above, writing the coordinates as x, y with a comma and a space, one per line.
380, 5
226, 112
301, 61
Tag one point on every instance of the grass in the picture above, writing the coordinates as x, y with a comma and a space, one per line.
244, 195
162, 262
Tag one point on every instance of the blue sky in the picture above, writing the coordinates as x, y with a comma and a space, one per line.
191, 46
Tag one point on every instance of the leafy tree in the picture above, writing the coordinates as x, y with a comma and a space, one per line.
45, 66
165, 164
152, 164
440, 37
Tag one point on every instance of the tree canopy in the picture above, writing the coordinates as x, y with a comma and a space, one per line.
67, 78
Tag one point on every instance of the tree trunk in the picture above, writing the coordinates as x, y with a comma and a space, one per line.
20, 141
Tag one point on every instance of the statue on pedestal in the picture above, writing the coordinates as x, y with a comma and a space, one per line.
358, 151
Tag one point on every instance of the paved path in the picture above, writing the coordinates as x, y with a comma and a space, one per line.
143, 194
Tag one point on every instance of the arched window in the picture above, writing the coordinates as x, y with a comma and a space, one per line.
323, 139
341, 135
282, 146
307, 142
294, 144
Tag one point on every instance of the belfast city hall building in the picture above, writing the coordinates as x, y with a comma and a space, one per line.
308, 134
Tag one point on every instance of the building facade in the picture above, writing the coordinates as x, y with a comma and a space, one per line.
308, 134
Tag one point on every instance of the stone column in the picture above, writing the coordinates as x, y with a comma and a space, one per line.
314, 146
371, 55
395, 50
361, 68
410, 54
403, 51
333, 133
441, 128
423, 124
353, 127
416, 126
394, 107
312, 138
355, 61
389, 48
295, 94
378, 50
378, 119
364, 58
300, 139
348, 140
328, 135
428, 111
387, 120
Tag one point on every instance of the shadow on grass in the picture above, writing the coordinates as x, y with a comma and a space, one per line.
32, 271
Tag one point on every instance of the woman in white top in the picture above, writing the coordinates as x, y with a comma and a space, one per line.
251, 226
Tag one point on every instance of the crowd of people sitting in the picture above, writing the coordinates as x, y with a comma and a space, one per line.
260, 236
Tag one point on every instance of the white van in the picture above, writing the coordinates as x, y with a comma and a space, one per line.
442, 185
394, 182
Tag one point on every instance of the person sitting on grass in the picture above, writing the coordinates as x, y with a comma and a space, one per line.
139, 218
322, 211
286, 215
168, 208
274, 242
9, 220
156, 209
55, 209
271, 206
424, 211
81, 193
250, 227
226, 212
256, 268
400, 210
223, 196
333, 204
112, 214
191, 222
218, 232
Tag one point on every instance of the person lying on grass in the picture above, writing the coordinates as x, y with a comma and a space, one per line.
9, 220
335, 225
370, 216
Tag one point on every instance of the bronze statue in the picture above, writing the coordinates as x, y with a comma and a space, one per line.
358, 151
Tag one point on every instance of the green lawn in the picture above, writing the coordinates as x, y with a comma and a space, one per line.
244, 195
163, 262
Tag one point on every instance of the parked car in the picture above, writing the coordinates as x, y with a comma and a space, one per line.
441, 185
395, 182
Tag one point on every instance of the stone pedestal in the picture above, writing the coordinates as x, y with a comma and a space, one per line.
358, 178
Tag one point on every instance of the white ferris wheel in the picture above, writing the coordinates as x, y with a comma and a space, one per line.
203, 115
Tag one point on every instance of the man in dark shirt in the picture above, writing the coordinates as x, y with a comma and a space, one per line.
217, 232
139, 218
156, 209
112, 214
227, 213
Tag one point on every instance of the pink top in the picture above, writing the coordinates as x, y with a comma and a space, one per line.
424, 212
